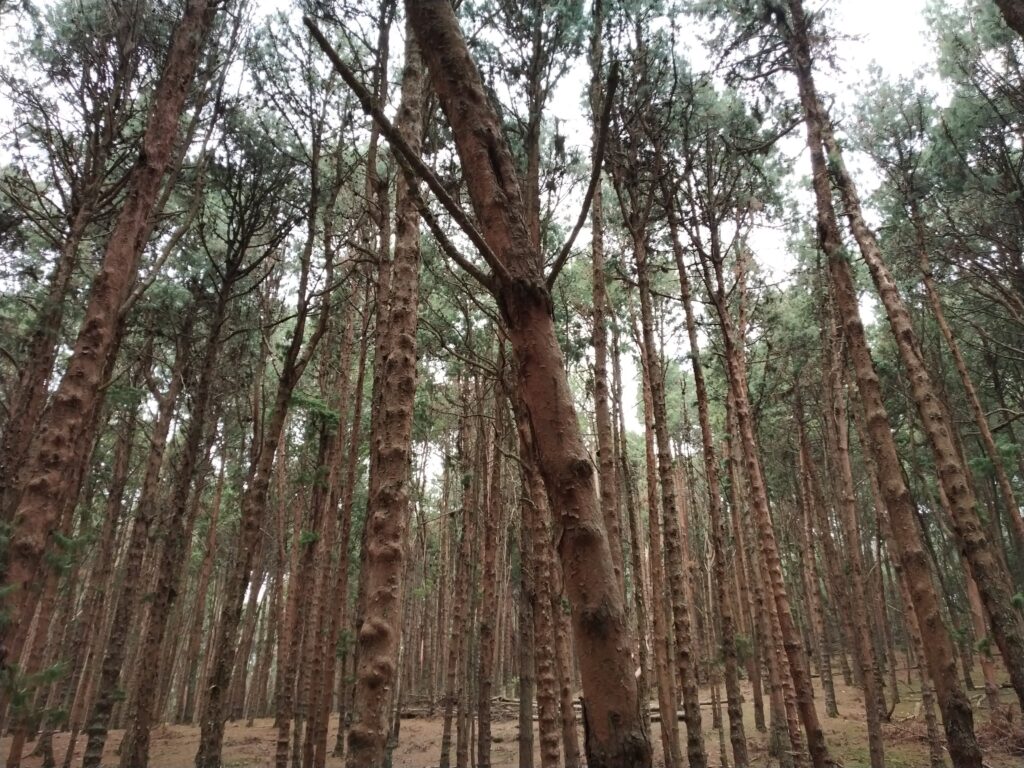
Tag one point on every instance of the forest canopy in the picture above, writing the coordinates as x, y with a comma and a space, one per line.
522, 383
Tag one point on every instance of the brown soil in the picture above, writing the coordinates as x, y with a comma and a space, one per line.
905, 747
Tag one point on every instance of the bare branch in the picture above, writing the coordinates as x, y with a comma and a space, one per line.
595, 175
411, 160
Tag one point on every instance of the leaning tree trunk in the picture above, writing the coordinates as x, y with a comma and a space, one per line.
971, 392
790, 637
45, 477
940, 651
987, 567
115, 654
615, 732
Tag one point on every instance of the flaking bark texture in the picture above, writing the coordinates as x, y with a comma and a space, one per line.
614, 728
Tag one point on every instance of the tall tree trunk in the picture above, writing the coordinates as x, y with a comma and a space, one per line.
667, 698
126, 612
864, 652
459, 610
535, 513
977, 411
388, 508
813, 588
987, 567
640, 590
489, 578
736, 365
940, 651
716, 519
685, 668
607, 479
614, 728
45, 478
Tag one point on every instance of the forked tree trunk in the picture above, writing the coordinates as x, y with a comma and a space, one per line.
615, 732
45, 477
940, 652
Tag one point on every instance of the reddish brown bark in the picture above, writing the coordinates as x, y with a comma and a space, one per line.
388, 510
636, 550
614, 728
987, 566
607, 476
716, 519
46, 479
666, 680
790, 638
811, 575
131, 590
535, 513
940, 652
674, 558
489, 606
838, 429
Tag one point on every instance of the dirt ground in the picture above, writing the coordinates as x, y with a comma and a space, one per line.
419, 745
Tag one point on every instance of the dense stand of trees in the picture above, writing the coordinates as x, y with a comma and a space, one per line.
338, 378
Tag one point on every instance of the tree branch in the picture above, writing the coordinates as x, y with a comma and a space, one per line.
595, 175
409, 159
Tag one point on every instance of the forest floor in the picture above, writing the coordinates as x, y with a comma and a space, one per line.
419, 746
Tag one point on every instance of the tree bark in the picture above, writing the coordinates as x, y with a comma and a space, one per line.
614, 727
667, 697
1013, 13
716, 521
987, 567
45, 476
940, 651
388, 510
